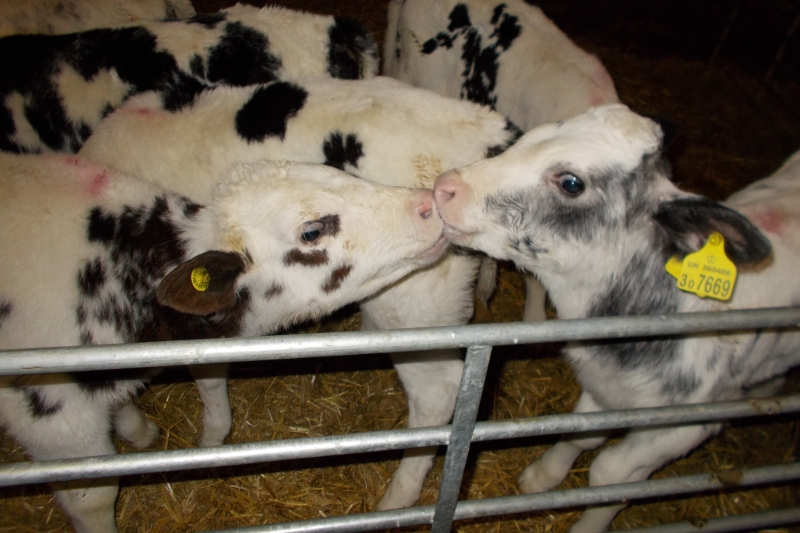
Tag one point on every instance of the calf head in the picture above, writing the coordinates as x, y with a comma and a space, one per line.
582, 197
302, 240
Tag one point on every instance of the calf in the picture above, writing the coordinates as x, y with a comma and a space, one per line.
54, 89
378, 129
587, 205
503, 54
93, 257
67, 16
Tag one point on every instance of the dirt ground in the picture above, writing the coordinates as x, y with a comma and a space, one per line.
668, 60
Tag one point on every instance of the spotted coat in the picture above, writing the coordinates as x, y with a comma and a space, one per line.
381, 130
91, 256
588, 206
68, 16
54, 89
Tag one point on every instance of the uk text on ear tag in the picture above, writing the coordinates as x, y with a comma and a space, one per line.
200, 278
708, 272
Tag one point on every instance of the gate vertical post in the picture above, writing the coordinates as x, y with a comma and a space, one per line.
466, 412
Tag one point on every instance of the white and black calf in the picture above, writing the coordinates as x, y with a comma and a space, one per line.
54, 89
503, 54
93, 257
588, 206
379, 129
68, 16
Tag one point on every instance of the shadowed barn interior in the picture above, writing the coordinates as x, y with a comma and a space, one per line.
718, 74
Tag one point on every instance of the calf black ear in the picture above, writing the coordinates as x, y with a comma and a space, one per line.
202, 285
689, 221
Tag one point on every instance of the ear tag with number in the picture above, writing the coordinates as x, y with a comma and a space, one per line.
707, 272
200, 278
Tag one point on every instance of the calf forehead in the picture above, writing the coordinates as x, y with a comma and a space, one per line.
603, 137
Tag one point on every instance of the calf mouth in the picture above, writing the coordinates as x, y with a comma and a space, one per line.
434, 252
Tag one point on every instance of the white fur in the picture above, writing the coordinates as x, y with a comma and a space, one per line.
616, 154
260, 213
542, 77
68, 16
408, 135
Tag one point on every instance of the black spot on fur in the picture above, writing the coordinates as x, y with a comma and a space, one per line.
348, 43
515, 134
7, 130
336, 278
197, 67
339, 150
92, 278
459, 18
142, 243
313, 258
5, 312
274, 290
209, 20
330, 225
268, 111
241, 58
39, 408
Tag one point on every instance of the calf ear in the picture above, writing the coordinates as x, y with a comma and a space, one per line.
688, 223
203, 284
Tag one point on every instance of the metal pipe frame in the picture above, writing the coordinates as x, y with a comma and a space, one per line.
457, 437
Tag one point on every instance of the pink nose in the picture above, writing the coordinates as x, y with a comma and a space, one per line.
425, 205
447, 187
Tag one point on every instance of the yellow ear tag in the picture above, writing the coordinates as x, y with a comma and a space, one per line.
200, 278
707, 272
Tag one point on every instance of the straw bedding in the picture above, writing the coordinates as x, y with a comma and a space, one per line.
726, 140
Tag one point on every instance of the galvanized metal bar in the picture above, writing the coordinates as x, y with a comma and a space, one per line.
312, 447
689, 485
476, 364
746, 522
49, 360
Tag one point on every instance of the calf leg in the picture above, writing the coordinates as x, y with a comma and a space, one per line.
553, 466
640, 453
437, 296
69, 424
212, 384
131, 424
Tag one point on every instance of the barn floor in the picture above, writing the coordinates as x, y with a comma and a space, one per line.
730, 132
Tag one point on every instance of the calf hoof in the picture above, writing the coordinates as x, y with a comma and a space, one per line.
536, 478
147, 436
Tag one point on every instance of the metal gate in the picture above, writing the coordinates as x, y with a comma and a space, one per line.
478, 339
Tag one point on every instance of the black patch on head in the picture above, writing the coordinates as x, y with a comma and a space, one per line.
339, 150
209, 20
39, 408
330, 225
268, 111
313, 258
92, 278
274, 290
348, 43
241, 58
5, 311
336, 278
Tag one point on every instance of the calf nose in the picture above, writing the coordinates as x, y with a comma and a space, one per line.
447, 187
425, 206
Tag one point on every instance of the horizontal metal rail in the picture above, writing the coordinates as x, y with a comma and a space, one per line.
376, 441
415, 516
73, 359
746, 522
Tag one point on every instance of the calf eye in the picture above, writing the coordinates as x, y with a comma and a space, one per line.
311, 232
571, 184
